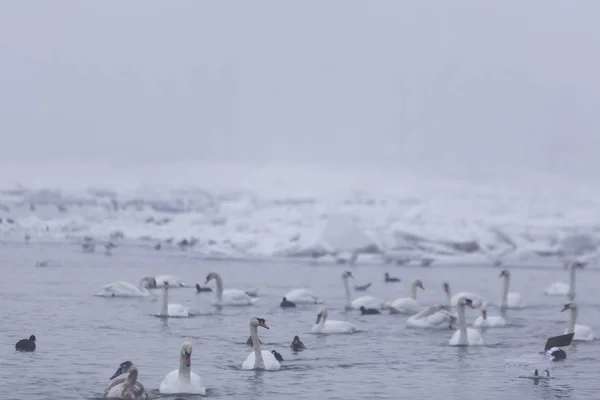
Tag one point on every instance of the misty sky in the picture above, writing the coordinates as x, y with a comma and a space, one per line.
438, 84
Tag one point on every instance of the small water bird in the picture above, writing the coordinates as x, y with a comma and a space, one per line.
552, 349
389, 279
368, 311
278, 356
287, 304
362, 288
26, 344
297, 344
126, 388
200, 289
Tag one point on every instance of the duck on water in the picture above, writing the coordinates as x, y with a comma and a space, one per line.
26, 344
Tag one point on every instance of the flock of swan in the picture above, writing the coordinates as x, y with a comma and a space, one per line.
444, 316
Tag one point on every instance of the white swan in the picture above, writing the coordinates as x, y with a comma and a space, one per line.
183, 380
582, 332
562, 289
509, 299
436, 316
365, 301
229, 297
171, 310
476, 299
175, 282
408, 305
126, 289
323, 325
126, 389
485, 321
302, 296
465, 336
259, 359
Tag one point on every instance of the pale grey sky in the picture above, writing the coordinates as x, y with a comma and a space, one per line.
472, 84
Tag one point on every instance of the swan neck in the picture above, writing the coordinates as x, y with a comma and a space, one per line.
132, 377
572, 283
348, 294
505, 291
571, 327
164, 309
184, 370
462, 324
219, 287
258, 358
413, 291
449, 295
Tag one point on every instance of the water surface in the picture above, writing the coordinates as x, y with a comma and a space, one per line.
82, 338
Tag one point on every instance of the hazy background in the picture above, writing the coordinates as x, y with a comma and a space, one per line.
445, 85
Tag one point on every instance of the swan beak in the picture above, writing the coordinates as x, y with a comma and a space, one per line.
260, 323
469, 303
207, 280
421, 286
119, 372
565, 308
318, 319
188, 359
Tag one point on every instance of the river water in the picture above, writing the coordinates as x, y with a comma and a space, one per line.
81, 339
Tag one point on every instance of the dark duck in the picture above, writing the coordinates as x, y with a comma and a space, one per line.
277, 355
26, 344
389, 279
200, 289
287, 304
297, 344
368, 311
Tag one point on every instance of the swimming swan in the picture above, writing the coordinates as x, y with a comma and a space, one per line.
436, 316
323, 325
562, 289
408, 305
171, 310
302, 296
183, 380
126, 388
229, 297
582, 332
366, 301
476, 300
126, 289
465, 336
259, 359
485, 321
509, 299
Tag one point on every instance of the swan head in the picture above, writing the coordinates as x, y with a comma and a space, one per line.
446, 287
347, 274
186, 352
32, 338
124, 368
569, 306
418, 283
256, 322
505, 273
166, 284
321, 315
211, 276
296, 340
463, 301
